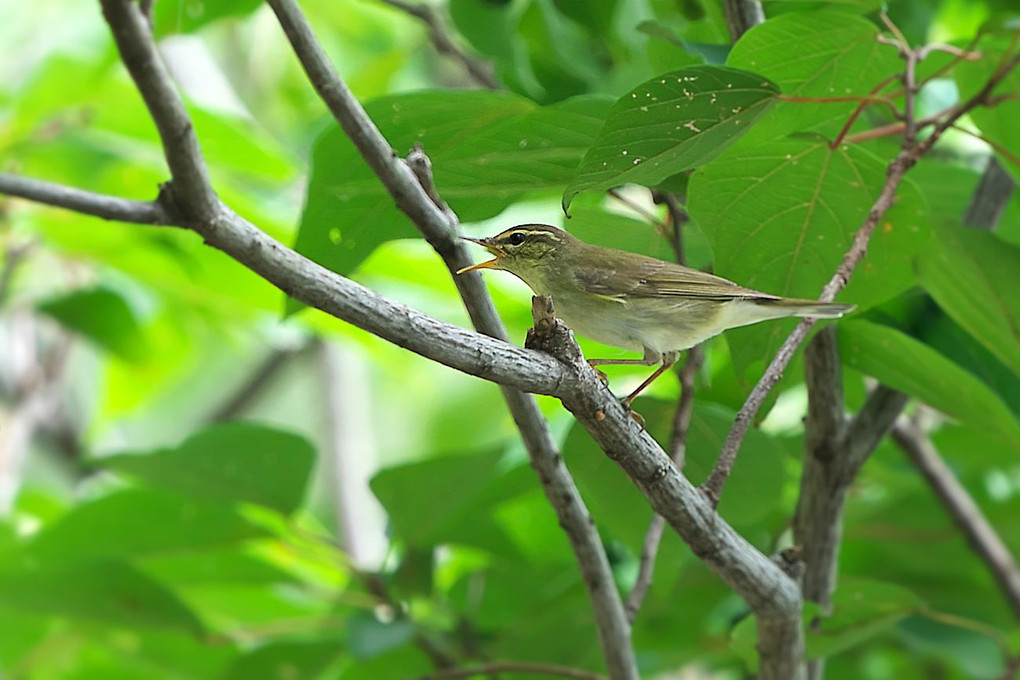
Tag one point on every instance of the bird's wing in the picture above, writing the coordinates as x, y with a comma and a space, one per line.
656, 278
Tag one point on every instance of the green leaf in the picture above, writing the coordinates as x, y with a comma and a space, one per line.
776, 7
140, 522
905, 364
230, 463
780, 216
973, 276
488, 149
285, 659
813, 54
997, 123
109, 591
447, 500
187, 16
671, 123
103, 317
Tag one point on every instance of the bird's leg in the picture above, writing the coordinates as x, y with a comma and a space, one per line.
647, 360
668, 359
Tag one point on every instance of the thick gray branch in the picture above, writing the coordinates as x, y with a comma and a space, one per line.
980, 534
834, 451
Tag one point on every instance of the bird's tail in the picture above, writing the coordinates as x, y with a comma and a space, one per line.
812, 308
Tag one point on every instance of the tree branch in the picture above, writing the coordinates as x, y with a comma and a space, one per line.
834, 451
85, 202
910, 153
742, 15
771, 594
990, 198
439, 35
980, 534
411, 185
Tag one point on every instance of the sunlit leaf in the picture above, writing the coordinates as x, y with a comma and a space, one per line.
140, 522
103, 317
234, 462
108, 591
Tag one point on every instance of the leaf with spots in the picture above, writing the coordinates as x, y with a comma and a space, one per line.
235, 462
671, 123
780, 216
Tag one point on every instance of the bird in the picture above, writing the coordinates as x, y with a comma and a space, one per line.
633, 301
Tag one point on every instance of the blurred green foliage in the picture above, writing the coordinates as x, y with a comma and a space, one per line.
149, 540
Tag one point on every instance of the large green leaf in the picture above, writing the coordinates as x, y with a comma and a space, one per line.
108, 591
780, 216
813, 54
974, 277
138, 522
905, 364
671, 123
235, 462
487, 150
449, 500
103, 317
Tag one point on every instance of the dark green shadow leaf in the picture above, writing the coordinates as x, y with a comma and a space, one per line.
972, 275
905, 364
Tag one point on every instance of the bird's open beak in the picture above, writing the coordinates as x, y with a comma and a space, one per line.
488, 264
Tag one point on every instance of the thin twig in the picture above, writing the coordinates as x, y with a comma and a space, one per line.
979, 532
898, 167
85, 202
512, 667
649, 216
439, 35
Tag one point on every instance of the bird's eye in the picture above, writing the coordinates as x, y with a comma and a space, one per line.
515, 239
